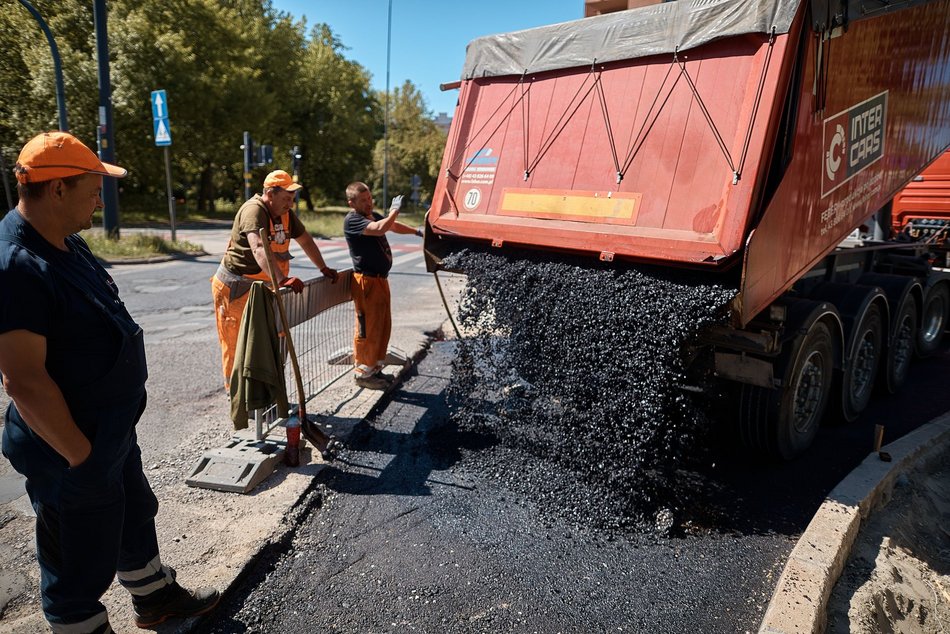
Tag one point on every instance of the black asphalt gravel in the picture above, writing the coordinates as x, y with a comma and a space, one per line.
583, 368
411, 537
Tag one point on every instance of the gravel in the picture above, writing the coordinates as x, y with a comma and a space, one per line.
582, 369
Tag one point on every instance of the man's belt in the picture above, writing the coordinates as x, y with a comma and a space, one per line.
368, 274
237, 284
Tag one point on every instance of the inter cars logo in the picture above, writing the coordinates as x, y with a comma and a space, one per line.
853, 141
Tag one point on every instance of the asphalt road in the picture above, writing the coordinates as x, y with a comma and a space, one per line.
404, 535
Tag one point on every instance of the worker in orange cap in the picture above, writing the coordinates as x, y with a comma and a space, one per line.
73, 363
246, 260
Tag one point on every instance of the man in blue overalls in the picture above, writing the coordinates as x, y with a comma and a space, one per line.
73, 363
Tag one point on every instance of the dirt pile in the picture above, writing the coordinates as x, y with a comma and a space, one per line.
583, 367
898, 576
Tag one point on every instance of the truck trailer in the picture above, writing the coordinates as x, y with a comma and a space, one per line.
745, 138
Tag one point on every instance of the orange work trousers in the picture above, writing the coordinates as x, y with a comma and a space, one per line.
227, 314
374, 322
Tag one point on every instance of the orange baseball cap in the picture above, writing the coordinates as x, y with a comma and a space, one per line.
57, 155
280, 178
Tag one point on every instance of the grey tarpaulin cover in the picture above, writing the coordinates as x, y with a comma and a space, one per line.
652, 30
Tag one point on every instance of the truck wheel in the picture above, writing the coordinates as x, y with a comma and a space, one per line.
934, 320
805, 394
857, 382
783, 422
901, 351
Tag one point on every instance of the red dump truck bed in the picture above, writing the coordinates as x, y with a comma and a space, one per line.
709, 134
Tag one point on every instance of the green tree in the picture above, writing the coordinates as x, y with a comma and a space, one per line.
333, 115
415, 145
216, 62
226, 65
27, 77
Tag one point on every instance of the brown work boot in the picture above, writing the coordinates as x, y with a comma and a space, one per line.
372, 382
386, 377
173, 601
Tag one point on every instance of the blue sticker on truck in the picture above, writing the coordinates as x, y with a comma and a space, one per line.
480, 168
853, 141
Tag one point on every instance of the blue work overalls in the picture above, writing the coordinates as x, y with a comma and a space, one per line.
97, 518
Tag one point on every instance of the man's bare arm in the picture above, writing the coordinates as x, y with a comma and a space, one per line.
38, 399
380, 227
399, 227
260, 255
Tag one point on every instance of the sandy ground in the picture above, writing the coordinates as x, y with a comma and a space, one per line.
897, 579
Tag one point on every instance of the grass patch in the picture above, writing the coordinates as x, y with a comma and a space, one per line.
135, 245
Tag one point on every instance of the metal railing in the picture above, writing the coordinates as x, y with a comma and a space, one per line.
321, 322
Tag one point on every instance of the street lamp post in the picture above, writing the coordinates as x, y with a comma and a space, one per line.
389, 38
57, 66
110, 191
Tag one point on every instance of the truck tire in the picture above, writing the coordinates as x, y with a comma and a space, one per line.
933, 320
857, 380
782, 422
900, 352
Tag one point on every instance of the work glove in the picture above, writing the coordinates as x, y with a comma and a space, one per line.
331, 273
396, 205
293, 283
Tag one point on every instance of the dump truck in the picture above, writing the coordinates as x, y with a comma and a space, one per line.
745, 138
921, 211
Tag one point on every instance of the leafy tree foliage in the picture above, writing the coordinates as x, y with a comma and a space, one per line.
227, 66
334, 112
415, 145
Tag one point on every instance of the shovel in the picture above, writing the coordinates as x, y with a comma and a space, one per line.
323, 443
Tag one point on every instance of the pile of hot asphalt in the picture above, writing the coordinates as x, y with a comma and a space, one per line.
582, 369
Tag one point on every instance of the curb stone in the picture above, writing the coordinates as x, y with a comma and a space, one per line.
152, 259
800, 601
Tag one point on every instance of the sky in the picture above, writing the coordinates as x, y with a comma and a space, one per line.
428, 36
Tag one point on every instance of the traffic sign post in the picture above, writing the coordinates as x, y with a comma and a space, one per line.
161, 128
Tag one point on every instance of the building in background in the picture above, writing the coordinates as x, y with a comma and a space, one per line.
443, 121
599, 7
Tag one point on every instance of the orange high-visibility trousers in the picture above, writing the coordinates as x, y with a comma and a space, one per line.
227, 315
371, 300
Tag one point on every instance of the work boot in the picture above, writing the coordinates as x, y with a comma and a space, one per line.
372, 382
386, 377
173, 601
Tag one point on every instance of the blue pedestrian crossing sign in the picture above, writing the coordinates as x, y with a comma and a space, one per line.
160, 120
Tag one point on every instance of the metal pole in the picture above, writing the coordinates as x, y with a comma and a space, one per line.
57, 66
247, 164
389, 38
171, 197
110, 192
295, 153
6, 182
